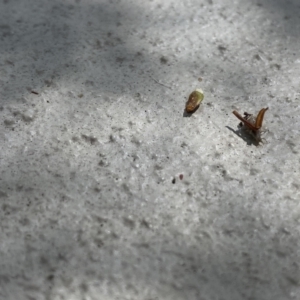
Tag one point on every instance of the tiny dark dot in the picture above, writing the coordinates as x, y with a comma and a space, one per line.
163, 60
50, 277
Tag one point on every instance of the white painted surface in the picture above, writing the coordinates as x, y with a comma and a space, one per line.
88, 209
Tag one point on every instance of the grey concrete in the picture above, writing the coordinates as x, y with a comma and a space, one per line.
91, 203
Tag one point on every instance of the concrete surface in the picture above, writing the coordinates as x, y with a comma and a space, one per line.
91, 203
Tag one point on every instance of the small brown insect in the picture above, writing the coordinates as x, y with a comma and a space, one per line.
34, 92
194, 101
252, 124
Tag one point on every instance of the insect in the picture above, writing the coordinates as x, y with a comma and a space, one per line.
251, 124
194, 100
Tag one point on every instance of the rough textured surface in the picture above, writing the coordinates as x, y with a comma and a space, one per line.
91, 203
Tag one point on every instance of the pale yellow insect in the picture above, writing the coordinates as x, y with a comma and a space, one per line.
194, 100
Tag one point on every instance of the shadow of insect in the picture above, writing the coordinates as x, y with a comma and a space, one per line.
245, 136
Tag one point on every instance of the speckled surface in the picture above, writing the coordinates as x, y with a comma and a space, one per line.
91, 203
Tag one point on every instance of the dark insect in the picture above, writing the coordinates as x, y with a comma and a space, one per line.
252, 124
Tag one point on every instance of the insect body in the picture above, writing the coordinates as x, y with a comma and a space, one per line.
194, 100
251, 124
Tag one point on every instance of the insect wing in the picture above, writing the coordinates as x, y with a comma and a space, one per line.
247, 123
260, 117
